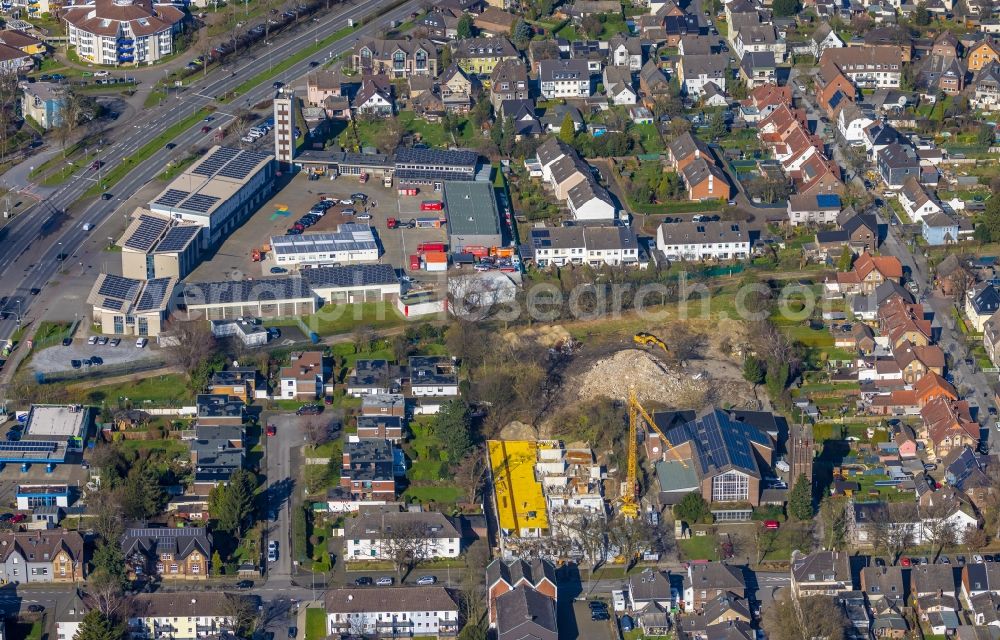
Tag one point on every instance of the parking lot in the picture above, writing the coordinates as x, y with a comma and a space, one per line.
575, 622
11, 475
59, 358
293, 199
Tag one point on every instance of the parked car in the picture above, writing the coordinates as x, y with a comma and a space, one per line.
597, 604
771, 524
102, 340
363, 581
18, 517
279, 270
75, 364
272, 430
600, 615
244, 584
426, 580
141, 343
92, 340
384, 581
309, 410
115, 342
906, 562
36, 608
348, 212
364, 216
67, 342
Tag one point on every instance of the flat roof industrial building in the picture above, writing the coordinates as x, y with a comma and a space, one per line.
353, 283
473, 217
131, 306
220, 192
264, 298
351, 243
50, 432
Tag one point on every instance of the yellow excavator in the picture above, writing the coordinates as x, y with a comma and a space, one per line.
644, 339
630, 488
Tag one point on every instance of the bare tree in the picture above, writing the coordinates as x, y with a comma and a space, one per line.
473, 591
104, 593
892, 528
8, 109
833, 516
764, 541
191, 344
106, 506
589, 532
405, 545
67, 118
319, 430
804, 619
939, 532
242, 613
470, 471
629, 537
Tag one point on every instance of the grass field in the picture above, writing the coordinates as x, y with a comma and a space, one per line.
170, 389
441, 495
699, 548
172, 448
315, 623
343, 318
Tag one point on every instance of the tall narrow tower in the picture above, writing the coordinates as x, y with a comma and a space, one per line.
284, 128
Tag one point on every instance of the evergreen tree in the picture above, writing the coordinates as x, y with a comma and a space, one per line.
142, 496
567, 130
922, 17
232, 503
753, 370
452, 427
776, 378
692, 508
800, 504
218, 568
785, 8
109, 559
464, 27
846, 259
96, 626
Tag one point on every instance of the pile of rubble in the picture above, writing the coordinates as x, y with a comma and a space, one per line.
654, 381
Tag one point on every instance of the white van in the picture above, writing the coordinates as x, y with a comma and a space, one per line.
618, 600
87, 226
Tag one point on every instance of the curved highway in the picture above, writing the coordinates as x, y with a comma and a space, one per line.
25, 267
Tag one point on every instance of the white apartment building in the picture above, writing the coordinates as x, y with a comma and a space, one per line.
371, 535
391, 612
123, 32
558, 246
703, 241
181, 616
564, 79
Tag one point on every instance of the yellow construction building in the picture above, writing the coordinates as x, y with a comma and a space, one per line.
520, 502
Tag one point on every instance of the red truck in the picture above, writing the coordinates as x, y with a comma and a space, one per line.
431, 205
391, 223
414, 263
425, 247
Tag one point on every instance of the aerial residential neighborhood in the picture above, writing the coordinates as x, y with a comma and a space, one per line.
488, 319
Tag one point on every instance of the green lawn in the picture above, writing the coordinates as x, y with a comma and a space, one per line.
649, 138
172, 448
431, 133
315, 623
170, 389
699, 548
810, 337
336, 319
441, 495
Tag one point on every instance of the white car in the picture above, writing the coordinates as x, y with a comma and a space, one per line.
246, 139
101, 74
92, 340
384, 581
272, 555
347, 201
426, 580
977, 559
364, 216
141, 343
272, 545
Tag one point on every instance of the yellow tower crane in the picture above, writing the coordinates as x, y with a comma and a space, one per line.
630, 491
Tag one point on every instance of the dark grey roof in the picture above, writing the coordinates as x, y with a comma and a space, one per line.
355, 275
369, 373
219, 405
822, 566
234, 291
512, 572
985, 299
390, 600
375, 523
178, 541
471, 208
649, 586
432, 370
933, 578
436, 157
553, 149
525, 613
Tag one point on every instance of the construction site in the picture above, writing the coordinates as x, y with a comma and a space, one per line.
692, 425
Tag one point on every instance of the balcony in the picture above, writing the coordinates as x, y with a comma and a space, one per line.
125, 57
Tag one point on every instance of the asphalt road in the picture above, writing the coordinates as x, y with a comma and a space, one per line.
31, 242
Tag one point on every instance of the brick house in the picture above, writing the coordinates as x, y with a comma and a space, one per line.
168, 553
54, 555
869, 272
502, 577
705, 582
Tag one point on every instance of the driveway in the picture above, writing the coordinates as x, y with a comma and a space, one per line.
57, 358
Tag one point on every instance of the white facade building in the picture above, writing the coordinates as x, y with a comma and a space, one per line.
123, 32
564, 79
369, 535
392, 611
703, 241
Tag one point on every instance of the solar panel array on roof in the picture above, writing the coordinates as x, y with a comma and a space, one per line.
146, 233
171, 197
828, 200
246, 291
541, 238
427, 174
28, 445
441, 157
111, 303
357, 275
178, 238
199, 202
211, 165
240, 167
118, 287
152, 294
348, 237
721, 442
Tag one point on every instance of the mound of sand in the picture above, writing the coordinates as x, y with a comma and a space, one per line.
544, 335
